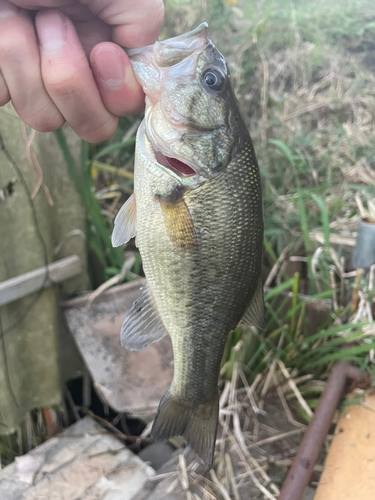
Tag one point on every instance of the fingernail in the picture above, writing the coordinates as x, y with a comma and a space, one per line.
51, 27
110, 67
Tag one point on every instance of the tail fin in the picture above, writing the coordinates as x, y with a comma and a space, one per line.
198, 425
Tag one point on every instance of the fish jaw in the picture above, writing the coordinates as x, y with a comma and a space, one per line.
151, 61
169, 58
169, 178
186, 120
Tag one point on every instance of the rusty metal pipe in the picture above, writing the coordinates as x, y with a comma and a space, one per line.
303, 464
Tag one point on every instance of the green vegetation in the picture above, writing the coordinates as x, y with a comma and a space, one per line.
304, 76
99, 219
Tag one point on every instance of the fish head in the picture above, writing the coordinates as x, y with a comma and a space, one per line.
191, 120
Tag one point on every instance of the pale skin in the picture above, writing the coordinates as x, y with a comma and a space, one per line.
63, 61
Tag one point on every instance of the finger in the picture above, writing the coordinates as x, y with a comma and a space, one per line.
120, 91
91, 32
142, 24
4, 92
38, 4
20, 69
135, 23
90, 29
68, 78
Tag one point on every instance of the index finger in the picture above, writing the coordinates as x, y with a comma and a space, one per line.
135, 24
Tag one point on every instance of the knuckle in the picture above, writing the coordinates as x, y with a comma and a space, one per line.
62, 77
100, 133
4, 99
47, 124
13, 46
61, 85
153, 12
42, 119
158, 10
4, 95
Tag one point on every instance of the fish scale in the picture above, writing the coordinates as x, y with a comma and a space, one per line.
200, 297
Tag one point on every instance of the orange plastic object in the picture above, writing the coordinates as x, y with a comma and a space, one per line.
349, 472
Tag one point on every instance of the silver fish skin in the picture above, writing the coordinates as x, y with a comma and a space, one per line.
197, 216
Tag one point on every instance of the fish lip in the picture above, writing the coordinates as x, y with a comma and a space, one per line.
202, 29
158, 145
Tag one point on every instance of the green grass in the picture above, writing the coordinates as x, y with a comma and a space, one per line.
289, 338
322, 47
98, 229
316, 122
301, 159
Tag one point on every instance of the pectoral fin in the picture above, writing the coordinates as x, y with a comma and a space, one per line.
142, 325
178, 222
254, 314
125, 223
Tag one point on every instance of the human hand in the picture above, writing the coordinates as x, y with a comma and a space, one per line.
44, 65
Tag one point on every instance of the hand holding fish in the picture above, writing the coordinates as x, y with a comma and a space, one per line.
44, 67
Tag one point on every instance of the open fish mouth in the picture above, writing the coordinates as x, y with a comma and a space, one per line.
180, 125
178, 167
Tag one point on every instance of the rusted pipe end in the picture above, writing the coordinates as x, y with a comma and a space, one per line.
356, 378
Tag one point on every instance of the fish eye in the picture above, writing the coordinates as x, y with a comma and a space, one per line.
214, 79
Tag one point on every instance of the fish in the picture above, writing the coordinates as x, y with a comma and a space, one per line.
196, 213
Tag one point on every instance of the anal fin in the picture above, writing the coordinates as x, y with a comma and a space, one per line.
125, 223
254, 314
142, 325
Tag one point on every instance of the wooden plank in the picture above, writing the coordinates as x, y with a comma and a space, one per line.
30, 282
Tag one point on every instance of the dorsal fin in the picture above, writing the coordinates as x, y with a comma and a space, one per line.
125, 223
142, 325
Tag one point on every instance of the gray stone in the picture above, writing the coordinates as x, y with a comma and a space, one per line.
129, 381
157, 454
84, 463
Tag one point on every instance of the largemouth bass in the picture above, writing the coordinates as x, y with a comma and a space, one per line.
196, 212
